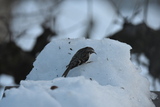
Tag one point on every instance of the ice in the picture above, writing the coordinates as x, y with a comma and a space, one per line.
110, 80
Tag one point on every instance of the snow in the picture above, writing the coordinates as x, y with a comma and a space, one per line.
110, 80
5, 80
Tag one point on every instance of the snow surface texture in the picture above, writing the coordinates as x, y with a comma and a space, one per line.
110, 80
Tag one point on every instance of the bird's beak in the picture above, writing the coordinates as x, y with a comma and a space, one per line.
94, 52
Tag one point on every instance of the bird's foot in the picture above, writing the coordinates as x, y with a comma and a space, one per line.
67, 66
89, 62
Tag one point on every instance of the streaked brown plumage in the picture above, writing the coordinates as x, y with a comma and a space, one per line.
80, 57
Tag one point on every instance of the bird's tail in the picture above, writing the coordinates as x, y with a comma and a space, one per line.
66, 72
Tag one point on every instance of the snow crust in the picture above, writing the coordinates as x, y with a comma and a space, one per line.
110, 80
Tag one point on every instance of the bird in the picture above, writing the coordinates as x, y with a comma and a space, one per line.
80, 57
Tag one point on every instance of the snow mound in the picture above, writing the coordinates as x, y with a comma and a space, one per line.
70, 92
112, 57
110, 80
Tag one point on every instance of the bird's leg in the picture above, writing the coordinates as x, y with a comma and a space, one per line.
89, 62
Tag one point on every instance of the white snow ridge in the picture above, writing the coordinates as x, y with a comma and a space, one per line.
110, 80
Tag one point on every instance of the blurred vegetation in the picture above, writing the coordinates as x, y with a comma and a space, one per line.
143, 39
18, 62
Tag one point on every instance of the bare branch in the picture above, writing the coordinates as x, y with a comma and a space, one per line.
146, 10
116, 8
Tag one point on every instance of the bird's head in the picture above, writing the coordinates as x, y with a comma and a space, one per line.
90, 50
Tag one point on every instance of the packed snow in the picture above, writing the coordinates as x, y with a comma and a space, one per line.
5, 80
109, 80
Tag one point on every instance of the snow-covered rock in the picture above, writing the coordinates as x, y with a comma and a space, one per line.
109, 80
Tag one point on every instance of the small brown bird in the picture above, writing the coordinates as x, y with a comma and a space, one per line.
80, 57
